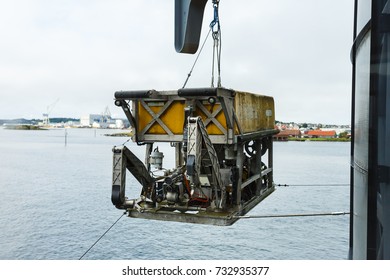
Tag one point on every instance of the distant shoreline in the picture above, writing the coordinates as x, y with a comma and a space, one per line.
24, 127
315, 140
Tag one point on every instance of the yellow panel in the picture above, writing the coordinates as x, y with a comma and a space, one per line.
212, 129
254, 113
173, 117
143, 116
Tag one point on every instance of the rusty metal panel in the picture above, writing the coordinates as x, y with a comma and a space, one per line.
254, 112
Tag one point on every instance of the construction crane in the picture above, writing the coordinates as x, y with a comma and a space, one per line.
221, 139
49, 108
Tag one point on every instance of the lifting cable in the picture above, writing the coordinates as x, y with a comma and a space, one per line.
196, 60
102, 235
215, 26
215, 29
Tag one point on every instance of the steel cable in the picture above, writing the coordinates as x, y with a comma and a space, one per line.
200, 51
293, 215
86, 252
311, 185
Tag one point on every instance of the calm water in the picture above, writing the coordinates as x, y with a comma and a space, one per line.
55, 203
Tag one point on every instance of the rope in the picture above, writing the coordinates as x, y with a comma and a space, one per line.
200, 51
126, 141
102, 235
312, 185
292, 215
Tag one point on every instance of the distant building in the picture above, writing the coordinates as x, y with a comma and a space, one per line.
101, 121
283, 135
321, 134
88, 120
119, 124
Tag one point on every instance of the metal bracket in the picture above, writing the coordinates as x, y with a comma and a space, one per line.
188, 24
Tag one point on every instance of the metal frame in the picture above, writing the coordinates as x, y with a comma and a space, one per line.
223, 96
248, 187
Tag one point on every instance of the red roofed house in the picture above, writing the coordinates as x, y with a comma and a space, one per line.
283, 135
321, 134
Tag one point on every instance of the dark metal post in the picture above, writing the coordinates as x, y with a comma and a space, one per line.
270, 161
370, 155
239, 164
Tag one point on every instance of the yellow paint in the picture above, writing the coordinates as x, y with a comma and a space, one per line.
173, 117
254, 112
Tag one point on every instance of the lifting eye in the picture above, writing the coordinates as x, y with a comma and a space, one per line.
118, 103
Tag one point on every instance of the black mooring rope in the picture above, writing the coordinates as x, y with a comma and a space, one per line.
102, 236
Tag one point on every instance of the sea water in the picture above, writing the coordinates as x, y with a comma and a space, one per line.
55, 189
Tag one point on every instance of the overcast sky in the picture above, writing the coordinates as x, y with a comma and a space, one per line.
82, 51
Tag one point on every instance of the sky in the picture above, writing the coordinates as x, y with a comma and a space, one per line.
70, 56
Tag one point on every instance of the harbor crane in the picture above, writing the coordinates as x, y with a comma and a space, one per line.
49, 108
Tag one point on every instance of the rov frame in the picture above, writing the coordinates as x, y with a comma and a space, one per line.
220, 137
